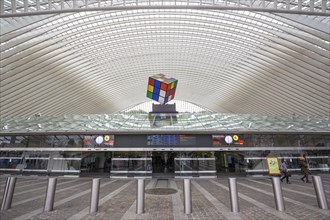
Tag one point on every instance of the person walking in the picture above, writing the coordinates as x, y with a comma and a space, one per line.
285, 172
109, 160
304, 169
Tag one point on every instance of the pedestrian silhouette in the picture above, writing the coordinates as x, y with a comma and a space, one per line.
285, 172
304, 169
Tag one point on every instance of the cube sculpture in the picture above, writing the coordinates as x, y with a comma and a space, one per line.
161, 88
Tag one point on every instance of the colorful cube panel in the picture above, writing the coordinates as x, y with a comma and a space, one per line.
161, 88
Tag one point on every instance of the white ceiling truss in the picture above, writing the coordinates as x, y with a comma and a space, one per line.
10, 8
95, 57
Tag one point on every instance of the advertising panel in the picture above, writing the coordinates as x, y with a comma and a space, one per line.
106, 140
273, 166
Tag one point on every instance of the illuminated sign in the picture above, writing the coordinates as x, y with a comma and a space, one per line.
228, 139
224, 139
171, 140
218, 140
99, 140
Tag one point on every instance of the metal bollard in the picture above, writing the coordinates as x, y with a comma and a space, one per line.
8, 193
320, 193
187, 196
140, 197
233, 193
95, 196
277, 189
50, 195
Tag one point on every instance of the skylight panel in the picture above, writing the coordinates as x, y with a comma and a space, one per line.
71, 16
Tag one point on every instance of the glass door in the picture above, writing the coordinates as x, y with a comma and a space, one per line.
163, 164
131, 164
95, 164
195, 164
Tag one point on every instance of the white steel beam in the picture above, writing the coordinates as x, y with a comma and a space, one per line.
289, 7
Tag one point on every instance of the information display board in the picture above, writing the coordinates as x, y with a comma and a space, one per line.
224, 139
171, 140
106, 140
162, 140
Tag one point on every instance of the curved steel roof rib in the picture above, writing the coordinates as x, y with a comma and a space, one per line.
95, 57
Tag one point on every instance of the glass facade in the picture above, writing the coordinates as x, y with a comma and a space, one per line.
160, 155
144, 122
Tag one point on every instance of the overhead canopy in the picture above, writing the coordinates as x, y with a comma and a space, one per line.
229, 61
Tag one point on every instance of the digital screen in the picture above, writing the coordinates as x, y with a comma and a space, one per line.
223, 139
171, 140
106, 140
187, 140
218, 140
163, 139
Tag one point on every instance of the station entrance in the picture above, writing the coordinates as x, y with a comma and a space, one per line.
163, 164
155, 164
160, 156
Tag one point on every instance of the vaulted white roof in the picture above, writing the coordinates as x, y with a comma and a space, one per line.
77, 61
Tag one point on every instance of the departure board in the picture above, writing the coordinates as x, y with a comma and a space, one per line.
163, 139
170, 140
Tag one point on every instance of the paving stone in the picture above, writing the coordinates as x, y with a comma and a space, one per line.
165, 203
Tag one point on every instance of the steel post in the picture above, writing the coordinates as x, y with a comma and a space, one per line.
50, 195
187, 196
140, 197
95, 195
278, 195
320, 193
233, 193
8, 193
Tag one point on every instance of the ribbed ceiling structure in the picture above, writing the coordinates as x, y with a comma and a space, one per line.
99, 61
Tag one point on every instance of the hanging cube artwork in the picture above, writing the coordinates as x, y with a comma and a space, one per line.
161, 88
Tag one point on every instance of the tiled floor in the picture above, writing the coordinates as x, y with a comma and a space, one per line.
210, 199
